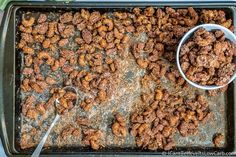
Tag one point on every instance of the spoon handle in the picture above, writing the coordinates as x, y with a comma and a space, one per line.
41, 144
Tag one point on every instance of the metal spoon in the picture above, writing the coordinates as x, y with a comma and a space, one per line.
37, 151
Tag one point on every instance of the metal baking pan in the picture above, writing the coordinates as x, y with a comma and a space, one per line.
9, 83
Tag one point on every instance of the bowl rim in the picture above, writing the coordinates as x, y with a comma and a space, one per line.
188, 35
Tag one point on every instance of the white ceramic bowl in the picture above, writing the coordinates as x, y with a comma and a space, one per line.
228, 34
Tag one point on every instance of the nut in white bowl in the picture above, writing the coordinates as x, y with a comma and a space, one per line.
209, 27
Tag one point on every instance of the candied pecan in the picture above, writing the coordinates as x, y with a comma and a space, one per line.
27, 71
46, 43
25, 85
41, 28
218, 140
87, 36
42, 18
68, 31
36, 87
149, 11
67, 131
63, 42
52, 29
28, 102
94, 17
81, 26
50, 80
67, 69
76, 18
85, 14
66, 17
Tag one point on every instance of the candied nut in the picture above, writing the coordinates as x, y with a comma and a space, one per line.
81, 26
36, 87
93, 138
41, 28
218, 140
39, 38
142, 63
167, 131
28, 50
55, 66
45, 55
51, 29
109, 23
87, 36
118, 130
28, 22
110, 37
173, 120
85, 106
79, 41
102, 95
82, 61
94, 17
67, 69
40, 108
76, 18
50, 80
46, 43
111, 51
26, 140
76, 133
21, 44
25, 85
32, 113
27, 71
25, 29
83, 121
42, 18
67, 131
28, 60
149, 11
103, 43
169, 146
158, 95
63, 42
43, 85
117, 34
120, 15
27, 37
66, 17
54, 39
85, 14
171, 77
